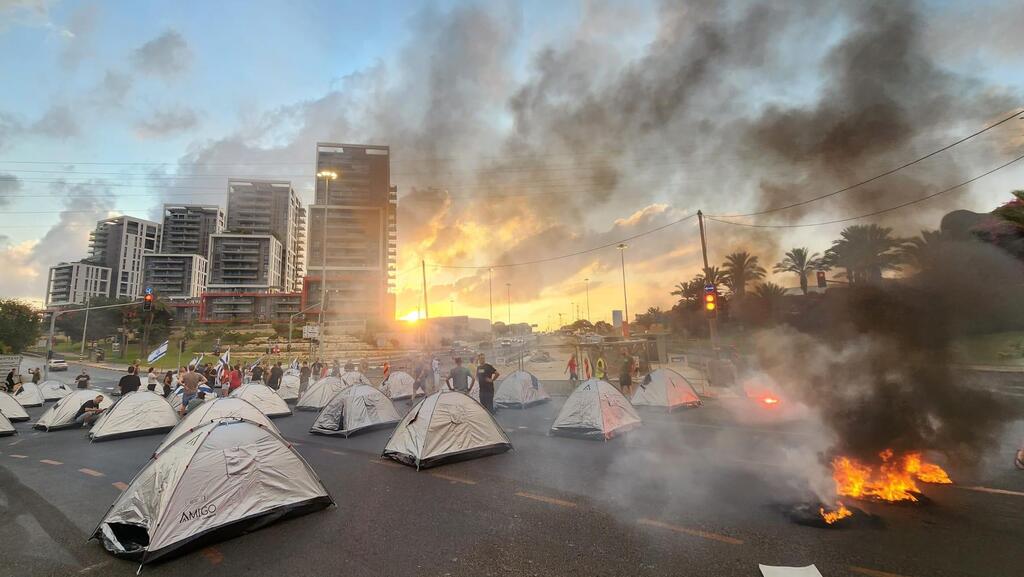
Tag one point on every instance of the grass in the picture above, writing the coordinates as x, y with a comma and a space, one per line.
170, 360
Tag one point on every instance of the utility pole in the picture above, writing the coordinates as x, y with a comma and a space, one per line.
712, 322
559, 321
328, 176
53, 323
85, 327
587, 280
508, 296
490, 294
625, 299
426, 307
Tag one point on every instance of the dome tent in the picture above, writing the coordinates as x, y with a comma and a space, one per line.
520, 390
174, 399
61, 415
356, 409
6, 428
263, 398
444, 427
225, 478
595, 410
54, 390
318, 393
11, 408
398, 385
222, 408
289, 389
29, 395
135, 414
665, 388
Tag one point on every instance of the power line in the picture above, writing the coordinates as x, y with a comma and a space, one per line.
875, 213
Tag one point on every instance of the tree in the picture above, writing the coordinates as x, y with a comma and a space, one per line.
19, 326
654, 315
604, 328
714, 275
690, 293
925, 251
865, 251
741, 268
771, 295
801, 263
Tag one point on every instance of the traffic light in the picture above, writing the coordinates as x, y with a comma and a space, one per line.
711, 301
821, 279
147, 303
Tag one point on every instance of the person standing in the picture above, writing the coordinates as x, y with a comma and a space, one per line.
486, 374
82, 380
168, 382
626, 375
573, 369
304, 372
602, 370
435, 367
36, 376
274, 382
151, 379
460, 379
387, 369
235, 379
256, 376
10, 380
130, 382
190, 385
421, 374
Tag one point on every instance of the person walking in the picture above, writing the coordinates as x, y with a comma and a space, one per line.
304, 372
130, 382
486, 374
460, 379
421, 374
435, 367
626, 375
274, 381
151, 379
572, 367
36, 376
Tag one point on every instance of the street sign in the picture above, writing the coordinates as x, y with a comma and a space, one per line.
310, 331
149, 290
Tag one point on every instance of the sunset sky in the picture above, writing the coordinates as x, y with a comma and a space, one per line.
520, 131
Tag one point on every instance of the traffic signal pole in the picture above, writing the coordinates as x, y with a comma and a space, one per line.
712, 322
53, 322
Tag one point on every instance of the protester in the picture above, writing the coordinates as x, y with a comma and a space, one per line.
573, 369
317, 370
82, 380
304, 373
130, 382
10, 380
626, 375
485, 377
274, 382
151, 379
89, 411
602, 372
435, 367
194, 402
234, 378
421, 373
256, 376
387, 369
168, 382
336, 368
190, 385
460, 379
36, 375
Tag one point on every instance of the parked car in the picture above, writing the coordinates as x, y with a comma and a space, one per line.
57, 364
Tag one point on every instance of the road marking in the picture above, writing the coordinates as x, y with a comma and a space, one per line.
120, 486
13, 443
524, 427
988, 490
872, 572
212, 555
19, 456
94, 567
549, 500
388, 463
333, 452
453, 478
693, 532
50, 462
91, 472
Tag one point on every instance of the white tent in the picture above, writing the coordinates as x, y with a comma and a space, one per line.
29, 395
444, 427
318, 393
356, 409
595, 410
354, 378
222, 479
693, 375
289, 389
520, 390
61, 414
665, 388
6, 428
134, 414
54, 390
11, 408
222, 408
263, 398
398, 385
174, 399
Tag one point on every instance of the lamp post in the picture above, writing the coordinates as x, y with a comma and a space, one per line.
625, 299
328, 176
508, 297
490, 296
587, 280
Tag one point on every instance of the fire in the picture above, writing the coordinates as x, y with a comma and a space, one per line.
895, 478
832, 516
770, 401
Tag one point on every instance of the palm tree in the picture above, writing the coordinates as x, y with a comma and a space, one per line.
714, 275
741, 268
800, 262
926, 250
865, 251
690, 292
771, 294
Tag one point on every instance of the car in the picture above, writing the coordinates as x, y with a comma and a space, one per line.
57, 364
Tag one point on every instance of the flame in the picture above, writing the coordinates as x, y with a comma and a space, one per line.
770, 401
895, 479
831, 517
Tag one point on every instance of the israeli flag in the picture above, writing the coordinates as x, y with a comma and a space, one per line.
158, 353
196, 360
294, 364
256, 362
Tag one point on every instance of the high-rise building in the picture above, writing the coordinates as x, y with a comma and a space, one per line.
244, 262
353, 236
179, 271
262, 207
175, 276
119, 244
187, 228
74, 283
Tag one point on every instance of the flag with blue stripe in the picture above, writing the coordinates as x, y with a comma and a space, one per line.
158, 353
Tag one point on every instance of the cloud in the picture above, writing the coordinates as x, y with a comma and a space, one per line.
167, 122
10, 126
165, 55
57, 122
9, 184
79, 36
34, 13
112, 90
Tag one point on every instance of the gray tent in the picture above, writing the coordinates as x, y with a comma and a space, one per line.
220, 408
175, 397
520, 390
222, 479
665, 388
289, 389
318, 393
54, 390
11, 408
137, 413
398, 385
595, 410
444, 427
29, 395
61, 415
356, 409
263, 398
6, 428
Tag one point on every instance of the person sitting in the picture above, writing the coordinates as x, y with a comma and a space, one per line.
89, 411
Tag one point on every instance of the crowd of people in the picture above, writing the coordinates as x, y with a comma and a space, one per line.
630, 369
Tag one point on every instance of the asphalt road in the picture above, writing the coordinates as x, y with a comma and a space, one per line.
697, 492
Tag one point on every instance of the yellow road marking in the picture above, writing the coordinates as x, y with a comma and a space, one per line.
50, 462
543, 499
91, 472
693, 532
19, 456
120, 486
993, 491
453, 478
872, 572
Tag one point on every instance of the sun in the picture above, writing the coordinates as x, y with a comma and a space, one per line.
411, 317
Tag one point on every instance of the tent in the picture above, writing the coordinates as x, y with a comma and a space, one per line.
61, 415
225, 478
520, 390
11, 408
665, 388
693, 375
29, 395
444, 427
263, 398
54, 390
174, 399
318, 393
398, 385
356, 409
6, 428
595, 410
222, 408
289, 389
134, 414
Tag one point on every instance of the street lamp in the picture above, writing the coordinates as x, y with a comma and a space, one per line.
328, 176
587, 280
508, 296
625, 300
490, 296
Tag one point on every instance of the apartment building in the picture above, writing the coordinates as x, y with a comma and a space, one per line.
74, 283
119, 244
262, 207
